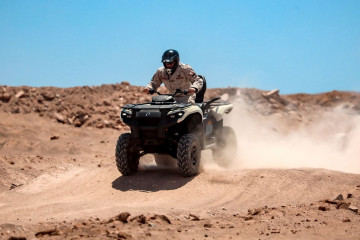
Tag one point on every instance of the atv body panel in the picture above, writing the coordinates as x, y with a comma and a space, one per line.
159, 125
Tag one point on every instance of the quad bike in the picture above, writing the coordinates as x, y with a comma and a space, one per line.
165, 127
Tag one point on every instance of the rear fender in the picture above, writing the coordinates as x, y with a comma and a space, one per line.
219, 111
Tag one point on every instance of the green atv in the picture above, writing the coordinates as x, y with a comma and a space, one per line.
165, 127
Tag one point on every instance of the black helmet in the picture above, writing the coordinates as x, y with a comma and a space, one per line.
170, 56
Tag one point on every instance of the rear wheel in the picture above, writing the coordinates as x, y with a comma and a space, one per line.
188, 155
226, 146
127, 155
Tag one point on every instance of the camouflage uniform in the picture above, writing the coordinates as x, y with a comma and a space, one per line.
183, 78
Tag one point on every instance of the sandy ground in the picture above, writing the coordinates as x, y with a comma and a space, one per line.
58, 181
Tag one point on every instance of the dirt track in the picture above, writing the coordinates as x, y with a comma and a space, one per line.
69, 187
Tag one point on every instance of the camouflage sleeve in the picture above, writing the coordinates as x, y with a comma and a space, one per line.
155, 81
196, 81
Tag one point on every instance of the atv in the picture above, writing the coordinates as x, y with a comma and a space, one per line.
180, 130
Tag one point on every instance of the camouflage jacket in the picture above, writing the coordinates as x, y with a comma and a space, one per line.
183, 78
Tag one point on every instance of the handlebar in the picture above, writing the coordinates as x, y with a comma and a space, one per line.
185, 92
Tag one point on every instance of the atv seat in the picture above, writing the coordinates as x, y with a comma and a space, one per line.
200, 95
163, 99
206, 105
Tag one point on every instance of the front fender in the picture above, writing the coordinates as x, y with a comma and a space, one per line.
191, 110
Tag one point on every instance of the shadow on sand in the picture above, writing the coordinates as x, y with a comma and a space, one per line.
151, 180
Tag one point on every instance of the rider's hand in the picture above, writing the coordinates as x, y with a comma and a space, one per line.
146, 90
191, 91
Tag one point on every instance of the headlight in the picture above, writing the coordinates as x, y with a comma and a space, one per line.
126, 113
177, 114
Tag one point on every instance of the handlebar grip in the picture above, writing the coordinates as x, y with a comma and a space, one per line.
185, 92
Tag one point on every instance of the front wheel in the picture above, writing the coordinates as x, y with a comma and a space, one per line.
127, 155
188, 155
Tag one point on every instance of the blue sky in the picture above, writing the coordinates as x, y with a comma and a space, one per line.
296, 46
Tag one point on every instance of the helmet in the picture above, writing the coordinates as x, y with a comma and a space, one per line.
170, 56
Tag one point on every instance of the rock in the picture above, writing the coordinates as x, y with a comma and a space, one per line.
5, 97
59, 117
77, 123
207, 225
125, 83
20, 94
323, 208
122, 217
140, 219
107, 123
254, 211
48, 96
81, 118
339, 198
122, 235
106, 103
17, 238
194, 217
152, 225
118, 127
71, 120
353, 208
15, 110
271, 93
54, 137
49, 232
162, 217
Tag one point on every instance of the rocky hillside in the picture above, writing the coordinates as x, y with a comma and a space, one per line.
59, 180
100, 106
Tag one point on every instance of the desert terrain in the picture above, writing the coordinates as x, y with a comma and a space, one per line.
296, 175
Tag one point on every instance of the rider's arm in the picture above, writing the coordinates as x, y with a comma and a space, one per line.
155, 81
195, 80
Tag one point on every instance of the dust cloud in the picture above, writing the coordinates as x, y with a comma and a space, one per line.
327, 139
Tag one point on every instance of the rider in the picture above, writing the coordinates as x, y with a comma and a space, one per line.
176, 75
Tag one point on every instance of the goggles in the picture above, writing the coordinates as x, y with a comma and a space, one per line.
169, 64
